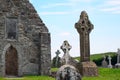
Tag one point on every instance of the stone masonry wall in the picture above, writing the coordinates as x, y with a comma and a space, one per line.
31, 37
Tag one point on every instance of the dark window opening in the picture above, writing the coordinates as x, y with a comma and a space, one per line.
11, 30
11, 35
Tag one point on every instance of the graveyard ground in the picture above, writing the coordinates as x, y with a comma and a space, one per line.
104, 74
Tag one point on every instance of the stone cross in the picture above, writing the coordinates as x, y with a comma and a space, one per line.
66, 48
110, 65
118, 56
57, 56
57, 53
84, 27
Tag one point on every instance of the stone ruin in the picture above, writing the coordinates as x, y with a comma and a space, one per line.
24, 40
84, 27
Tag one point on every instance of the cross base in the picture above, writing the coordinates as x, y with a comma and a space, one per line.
88, 68
109, 66
117, 65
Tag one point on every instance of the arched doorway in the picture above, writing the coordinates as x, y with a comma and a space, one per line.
11, 61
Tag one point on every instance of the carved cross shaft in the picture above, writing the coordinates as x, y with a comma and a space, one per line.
109, 58
84, 27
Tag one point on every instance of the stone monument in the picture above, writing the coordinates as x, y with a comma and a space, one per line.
84, 27
56, 60
109, 59
66, 48
67, 59
117, 65
104, 62
25, 45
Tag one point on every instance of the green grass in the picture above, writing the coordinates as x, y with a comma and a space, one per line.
38, 78
30, 78
106, 74
54, 69
1, 79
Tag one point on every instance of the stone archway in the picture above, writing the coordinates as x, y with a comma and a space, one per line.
11, 61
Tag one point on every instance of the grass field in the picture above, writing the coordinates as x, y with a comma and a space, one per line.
30, 78
104, 74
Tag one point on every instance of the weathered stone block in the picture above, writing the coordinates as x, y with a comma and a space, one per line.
88, 69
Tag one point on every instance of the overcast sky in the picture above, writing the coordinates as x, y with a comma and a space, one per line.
61, 15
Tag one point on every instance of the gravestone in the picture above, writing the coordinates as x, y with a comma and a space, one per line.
67, 59
84, 27
56, 60
68, 72
24, 36
117, 65
104, 62
109, 59
66, 48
